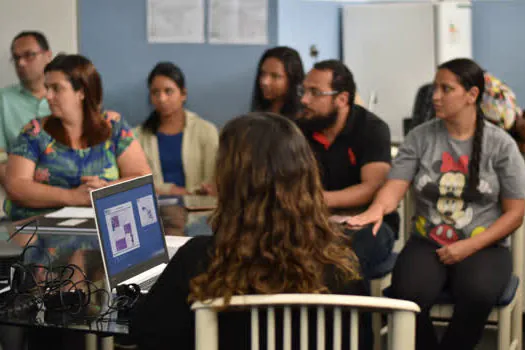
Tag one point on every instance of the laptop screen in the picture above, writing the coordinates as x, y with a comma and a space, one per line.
130, 230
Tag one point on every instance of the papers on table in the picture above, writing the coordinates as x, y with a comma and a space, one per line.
72, 213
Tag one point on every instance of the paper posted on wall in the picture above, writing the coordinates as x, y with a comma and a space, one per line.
180, 21
238, 22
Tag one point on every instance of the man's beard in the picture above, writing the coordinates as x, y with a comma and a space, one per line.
317, 123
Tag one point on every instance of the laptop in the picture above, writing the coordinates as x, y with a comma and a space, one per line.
130, 233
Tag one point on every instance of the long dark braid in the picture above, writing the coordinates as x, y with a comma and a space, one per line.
475, 156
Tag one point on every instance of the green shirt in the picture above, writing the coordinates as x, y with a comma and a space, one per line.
17, 107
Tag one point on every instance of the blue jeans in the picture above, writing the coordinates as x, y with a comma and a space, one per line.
372, 250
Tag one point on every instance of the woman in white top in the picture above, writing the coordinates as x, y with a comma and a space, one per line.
180, 146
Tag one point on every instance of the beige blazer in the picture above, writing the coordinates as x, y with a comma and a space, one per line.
199, 150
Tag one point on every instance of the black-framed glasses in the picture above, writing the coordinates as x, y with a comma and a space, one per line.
28, 56
302, 91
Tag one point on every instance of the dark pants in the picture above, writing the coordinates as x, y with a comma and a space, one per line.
476, 283
54, 339
372, 250
11, 337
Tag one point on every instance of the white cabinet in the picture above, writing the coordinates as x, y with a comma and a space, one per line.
393, 49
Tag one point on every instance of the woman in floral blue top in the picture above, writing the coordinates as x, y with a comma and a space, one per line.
58, 159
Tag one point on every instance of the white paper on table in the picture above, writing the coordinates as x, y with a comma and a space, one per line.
176, 241
238, 22
179, 21
72, 213
173, 243
72, 222
168, 201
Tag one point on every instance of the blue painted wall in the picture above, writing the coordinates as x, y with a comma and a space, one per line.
219, 77
499, 43
498, 28
305, 23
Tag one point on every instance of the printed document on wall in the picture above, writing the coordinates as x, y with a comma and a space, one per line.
238, 22
180, 21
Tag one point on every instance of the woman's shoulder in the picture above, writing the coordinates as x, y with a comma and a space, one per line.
428, 127
495, 136
35, 127
193, 256
143, 135
119, 127
425, 134
492, 130
139, 130
196, 244
112, 118
33, 140
198, 121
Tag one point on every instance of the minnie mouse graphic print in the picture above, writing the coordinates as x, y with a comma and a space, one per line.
437, 166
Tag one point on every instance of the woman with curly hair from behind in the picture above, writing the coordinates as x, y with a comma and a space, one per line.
271, 235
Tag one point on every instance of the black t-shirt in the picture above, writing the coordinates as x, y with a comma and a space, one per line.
165, 321
364, 139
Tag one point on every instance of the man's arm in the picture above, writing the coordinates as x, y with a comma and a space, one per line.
376, 158
3, 142
24, 190
3, 168
373, 175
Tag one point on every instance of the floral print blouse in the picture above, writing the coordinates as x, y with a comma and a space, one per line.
62, 166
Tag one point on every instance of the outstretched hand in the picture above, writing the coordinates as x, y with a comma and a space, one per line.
207, 190
93, 182
374, 215
80, 196
178, 190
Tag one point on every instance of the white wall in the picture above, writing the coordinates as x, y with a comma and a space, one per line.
57, 19
390, 49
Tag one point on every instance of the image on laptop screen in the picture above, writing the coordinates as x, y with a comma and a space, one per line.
129, 227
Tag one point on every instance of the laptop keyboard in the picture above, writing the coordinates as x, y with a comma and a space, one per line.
146, 285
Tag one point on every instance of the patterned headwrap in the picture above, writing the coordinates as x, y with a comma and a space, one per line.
499, 103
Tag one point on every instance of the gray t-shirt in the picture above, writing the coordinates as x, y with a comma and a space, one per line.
437, 166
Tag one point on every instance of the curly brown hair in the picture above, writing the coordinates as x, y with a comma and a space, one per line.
272, 233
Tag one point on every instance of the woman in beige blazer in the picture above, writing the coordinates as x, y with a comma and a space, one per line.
180, 146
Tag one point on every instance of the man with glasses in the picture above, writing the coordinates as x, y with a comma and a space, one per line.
19, 103
352, 147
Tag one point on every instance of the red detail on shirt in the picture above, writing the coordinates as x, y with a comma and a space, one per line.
351, 155
321, 139
449, 164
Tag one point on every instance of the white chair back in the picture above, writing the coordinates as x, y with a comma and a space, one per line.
401, 319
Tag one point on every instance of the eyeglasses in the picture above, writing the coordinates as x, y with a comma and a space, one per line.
28, 56
302, 91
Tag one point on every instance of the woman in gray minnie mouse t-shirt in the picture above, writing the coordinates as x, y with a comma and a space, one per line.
468, 180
